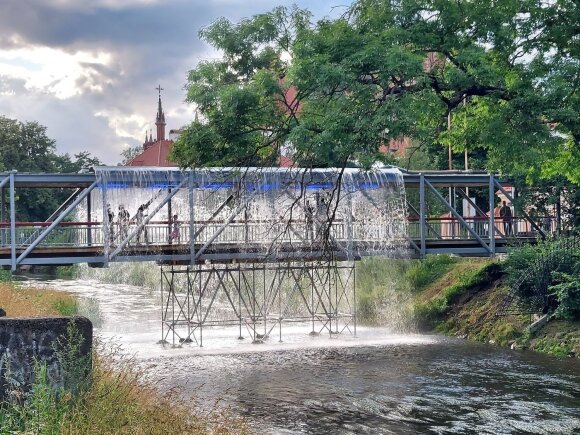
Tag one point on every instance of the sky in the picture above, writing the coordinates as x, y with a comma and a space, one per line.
88, 69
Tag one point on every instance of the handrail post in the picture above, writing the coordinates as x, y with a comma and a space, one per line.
491, 214
106, 231
422, 212
12, 222
191, 217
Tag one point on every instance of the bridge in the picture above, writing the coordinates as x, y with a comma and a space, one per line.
258, 247
224, 231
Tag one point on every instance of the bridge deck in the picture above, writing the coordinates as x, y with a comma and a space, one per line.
233, 252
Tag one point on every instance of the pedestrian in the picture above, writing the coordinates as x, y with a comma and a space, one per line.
505, 213
174, 229
123, 223
309, 215
142, 229
111, 224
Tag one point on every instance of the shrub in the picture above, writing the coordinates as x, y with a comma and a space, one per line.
567, 293
532, 270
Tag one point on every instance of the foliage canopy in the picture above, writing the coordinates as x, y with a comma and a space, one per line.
25, 147
336, 90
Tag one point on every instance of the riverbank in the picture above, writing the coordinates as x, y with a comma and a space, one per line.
119, 399
464, 300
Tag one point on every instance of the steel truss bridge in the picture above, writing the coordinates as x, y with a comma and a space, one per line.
218, 268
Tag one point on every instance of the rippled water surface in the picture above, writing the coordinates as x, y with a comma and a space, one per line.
374, 383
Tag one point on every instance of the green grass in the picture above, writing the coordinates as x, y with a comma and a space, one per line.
381, 287
66, 307
429, 314
422, 273
5, 275
116, 400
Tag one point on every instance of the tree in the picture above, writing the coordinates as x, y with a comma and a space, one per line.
508, 73
130, 153
25, 147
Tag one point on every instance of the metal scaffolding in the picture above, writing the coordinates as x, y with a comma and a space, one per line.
258, 298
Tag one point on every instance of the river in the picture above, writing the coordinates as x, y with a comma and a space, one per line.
377, 382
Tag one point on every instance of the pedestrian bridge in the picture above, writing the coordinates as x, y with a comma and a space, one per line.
259, 215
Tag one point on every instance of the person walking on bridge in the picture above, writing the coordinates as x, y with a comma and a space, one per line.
505, 213
123, 222
111, 224
174, 222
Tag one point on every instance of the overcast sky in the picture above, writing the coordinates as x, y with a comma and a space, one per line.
88, 69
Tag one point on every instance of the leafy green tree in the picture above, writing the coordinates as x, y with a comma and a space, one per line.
25, 147
506, 73
129, 154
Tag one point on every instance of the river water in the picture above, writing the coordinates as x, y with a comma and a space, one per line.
376, 382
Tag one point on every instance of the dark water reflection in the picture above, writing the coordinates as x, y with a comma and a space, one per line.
447, 386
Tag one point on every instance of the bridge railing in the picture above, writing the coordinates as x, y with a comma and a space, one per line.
438, 228
83, 234
86, 234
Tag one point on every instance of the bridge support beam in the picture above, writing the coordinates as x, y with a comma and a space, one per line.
491, 215
458, 217
422, 214
257, 298
12, 223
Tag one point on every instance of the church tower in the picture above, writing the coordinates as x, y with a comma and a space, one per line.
160, 120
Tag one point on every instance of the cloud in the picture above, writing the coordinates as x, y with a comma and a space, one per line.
56, 72
88, 69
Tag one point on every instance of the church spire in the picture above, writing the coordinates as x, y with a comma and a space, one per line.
160, 120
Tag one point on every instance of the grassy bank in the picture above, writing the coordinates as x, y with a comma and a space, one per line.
118, 399
30, 302
464, 301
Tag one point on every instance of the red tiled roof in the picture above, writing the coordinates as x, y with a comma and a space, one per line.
155, 155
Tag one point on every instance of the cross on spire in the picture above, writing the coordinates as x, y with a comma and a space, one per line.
159, 88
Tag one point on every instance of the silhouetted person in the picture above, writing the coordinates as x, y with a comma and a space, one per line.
174, 229
505, 213
123, 222
139, 218
111, 217
309, 215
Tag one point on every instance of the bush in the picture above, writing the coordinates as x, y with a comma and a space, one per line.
532, 272
567, 293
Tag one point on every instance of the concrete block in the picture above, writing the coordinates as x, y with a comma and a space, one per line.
24, 341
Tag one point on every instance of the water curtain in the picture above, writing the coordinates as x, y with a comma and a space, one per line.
262, 214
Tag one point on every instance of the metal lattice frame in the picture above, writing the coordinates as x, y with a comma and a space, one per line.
258, 298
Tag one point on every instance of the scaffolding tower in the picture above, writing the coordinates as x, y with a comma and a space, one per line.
258, 298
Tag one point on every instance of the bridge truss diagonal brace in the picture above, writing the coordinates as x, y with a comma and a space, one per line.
477, 209
458, 216
127, 239
55, 223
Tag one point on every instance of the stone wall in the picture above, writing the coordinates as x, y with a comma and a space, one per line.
45, 340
